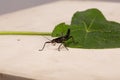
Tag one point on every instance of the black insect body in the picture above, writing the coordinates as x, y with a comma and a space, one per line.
61, 40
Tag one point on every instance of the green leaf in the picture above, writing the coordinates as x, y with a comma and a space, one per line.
60, 30
90, 29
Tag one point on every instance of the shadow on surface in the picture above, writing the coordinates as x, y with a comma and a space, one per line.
7, 6
11, 77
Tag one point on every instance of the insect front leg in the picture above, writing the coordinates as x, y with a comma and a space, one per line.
44, 45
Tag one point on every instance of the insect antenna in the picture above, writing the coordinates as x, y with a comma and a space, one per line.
46, 38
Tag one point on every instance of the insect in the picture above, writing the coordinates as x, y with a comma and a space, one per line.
60, 39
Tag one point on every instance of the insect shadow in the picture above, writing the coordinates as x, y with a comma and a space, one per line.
60, 39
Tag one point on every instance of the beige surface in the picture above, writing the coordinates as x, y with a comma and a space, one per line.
19, 55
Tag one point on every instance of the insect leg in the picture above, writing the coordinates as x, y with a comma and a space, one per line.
44, 45
63, 45
59, 46
54, 44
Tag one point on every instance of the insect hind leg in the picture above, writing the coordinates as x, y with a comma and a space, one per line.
63, 45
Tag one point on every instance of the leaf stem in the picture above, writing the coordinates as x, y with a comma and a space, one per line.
24, 33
